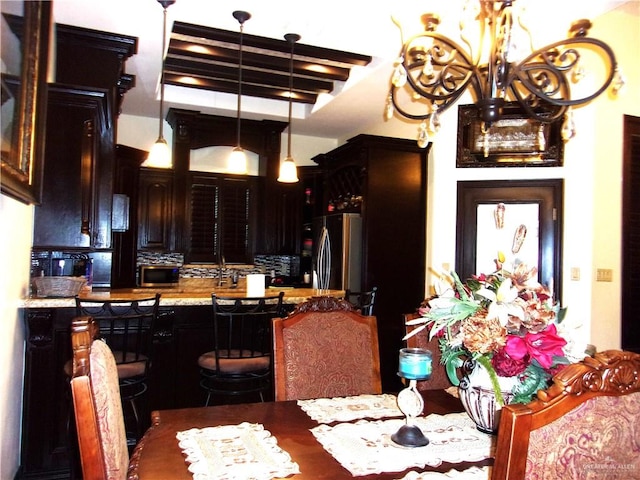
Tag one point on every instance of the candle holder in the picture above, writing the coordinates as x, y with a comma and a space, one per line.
414, 365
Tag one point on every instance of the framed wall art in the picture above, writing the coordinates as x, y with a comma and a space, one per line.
520, 218
514, 140
25, 45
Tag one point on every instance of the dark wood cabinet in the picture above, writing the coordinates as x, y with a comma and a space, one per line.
75, 214
78, 172
125, 242
192, 130
391, 177
155, 210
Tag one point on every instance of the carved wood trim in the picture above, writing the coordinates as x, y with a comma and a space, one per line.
611, 372
324, 304
134, 461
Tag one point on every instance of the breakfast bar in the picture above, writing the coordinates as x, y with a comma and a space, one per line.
180, 337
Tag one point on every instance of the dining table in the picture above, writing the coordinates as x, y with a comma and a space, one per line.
167, 450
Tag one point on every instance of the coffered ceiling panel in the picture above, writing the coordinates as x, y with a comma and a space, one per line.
207, 58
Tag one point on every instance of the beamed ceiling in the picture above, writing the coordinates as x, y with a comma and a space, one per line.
207, 58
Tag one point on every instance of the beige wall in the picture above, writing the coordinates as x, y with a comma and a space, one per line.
607, 173
16, 225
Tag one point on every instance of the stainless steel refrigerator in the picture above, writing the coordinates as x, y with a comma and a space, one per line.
337, 252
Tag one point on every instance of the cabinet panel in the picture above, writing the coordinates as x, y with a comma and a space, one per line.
77, 193
155, 208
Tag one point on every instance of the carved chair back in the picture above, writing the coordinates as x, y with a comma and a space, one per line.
97, 406
325, 348
586, 421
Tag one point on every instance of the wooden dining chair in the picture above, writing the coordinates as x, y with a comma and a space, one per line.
239, 362
97, 406
325, 348
128, 327
439, 379
586, 421
363, 301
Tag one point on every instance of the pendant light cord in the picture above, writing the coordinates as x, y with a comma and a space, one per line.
164, 42
239, 83
290, 98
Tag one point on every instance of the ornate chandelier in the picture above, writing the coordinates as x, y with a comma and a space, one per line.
433, 71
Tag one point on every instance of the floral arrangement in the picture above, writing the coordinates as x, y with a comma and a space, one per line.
506, 321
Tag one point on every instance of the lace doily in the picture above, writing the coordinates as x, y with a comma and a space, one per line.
473, 473
345, 409
365, 447
231, 452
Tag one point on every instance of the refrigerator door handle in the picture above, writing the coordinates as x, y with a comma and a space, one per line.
324, 260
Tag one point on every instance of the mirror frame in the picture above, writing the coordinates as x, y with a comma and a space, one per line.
22, 171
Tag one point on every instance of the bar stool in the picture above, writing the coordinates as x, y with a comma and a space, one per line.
240, 360
127, 326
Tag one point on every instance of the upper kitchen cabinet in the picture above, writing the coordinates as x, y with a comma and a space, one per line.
193, 130
155, 210
76, 198
79, 155
385, 179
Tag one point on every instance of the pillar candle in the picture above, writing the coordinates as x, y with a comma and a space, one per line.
255, 285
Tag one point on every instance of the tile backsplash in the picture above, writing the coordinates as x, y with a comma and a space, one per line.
288, 265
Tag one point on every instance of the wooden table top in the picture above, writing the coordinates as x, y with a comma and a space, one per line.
158, 455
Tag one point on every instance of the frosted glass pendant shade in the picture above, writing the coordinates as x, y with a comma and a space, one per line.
237, 162
159, 156
288, 171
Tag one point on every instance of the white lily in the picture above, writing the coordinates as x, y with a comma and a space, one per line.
503, 303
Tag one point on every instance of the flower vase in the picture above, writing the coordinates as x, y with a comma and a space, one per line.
478, 396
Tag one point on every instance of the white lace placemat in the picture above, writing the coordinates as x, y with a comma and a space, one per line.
235, 452
473, 473
365, 447
345, 409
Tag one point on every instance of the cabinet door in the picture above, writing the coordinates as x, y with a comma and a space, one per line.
155, 208
78, 175
222, 218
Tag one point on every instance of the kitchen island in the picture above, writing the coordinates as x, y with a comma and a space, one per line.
180, 296
181, 335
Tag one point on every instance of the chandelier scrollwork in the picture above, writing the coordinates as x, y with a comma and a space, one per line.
432, 71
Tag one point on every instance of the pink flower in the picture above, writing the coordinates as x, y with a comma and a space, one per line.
541, 346
505, 366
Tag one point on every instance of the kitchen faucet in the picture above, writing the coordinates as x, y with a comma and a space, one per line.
221, 268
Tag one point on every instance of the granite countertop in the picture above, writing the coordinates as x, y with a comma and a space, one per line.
181, 296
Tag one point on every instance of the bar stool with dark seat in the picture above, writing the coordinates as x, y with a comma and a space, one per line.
127, 326
363, 301
240, 360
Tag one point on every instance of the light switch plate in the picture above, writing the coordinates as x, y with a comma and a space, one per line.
575, 274
604, 275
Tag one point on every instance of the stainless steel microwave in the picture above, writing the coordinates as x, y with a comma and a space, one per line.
159, 276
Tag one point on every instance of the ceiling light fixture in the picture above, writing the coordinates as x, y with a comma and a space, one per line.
238, 159
288, 170
160, 154
433, 71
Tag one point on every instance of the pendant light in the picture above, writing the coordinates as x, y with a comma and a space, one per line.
237, 162
160, 154
288, 170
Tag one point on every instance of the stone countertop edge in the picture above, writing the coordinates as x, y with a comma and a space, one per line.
174, 299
